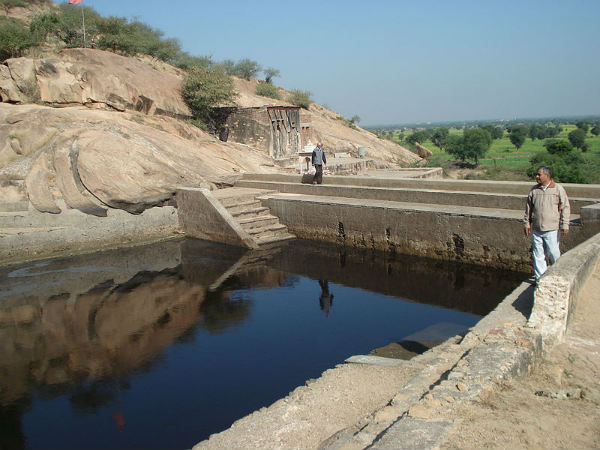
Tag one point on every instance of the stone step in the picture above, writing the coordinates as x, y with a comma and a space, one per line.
243, 206
249, 223
264, 230
235, 196
273, 238
253, 212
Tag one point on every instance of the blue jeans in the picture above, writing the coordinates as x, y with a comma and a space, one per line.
544, 241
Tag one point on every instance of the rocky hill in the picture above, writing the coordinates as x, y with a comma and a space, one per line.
99, 131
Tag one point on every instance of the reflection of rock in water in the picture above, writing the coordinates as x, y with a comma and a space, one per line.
101, 333
42, 280
103, 318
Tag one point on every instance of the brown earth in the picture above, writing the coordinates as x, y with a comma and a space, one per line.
556, 407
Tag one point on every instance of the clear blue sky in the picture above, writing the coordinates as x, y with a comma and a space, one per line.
395, 62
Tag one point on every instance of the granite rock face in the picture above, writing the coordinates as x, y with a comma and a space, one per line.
99, 131
95, 78
95, 159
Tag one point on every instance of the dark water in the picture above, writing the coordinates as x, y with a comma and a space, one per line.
158, 347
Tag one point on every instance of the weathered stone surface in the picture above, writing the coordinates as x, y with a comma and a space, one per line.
96, 78
38, 186
9, 92
125, 149
65, 165
22, 71
126, 160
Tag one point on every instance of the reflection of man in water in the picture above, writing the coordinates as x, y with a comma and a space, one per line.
326, 298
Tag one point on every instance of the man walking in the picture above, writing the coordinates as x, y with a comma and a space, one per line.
318, 160
546, 212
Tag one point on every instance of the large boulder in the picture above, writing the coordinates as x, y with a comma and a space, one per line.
110, 133
94, 78
95, 159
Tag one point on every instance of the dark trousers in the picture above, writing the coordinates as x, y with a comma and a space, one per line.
318, 178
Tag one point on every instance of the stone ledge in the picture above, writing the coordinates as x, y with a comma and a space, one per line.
557, 291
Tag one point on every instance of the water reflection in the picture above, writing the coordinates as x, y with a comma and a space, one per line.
82, 327
326, 297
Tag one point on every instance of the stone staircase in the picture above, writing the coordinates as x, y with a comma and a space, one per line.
251, 262
246, 209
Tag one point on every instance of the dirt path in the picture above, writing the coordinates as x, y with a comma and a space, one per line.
556, 407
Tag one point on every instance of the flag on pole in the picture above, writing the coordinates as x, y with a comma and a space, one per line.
74, 2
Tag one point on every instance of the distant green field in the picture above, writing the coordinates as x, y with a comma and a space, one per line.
504, 162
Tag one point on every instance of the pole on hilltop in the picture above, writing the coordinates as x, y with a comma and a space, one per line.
83, 23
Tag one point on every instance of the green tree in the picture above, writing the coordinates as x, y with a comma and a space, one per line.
44, 25
116, 36
583, 125
267, 90
577, 138
537, 131
355, 119
270, 73
558, 147
203, 89
150, 41
440, 136
419, 136
595, 130
566, 167
186, 62
15, 37
226, 66
553, 131
300, 98
246, 69
497, 132
71, 26
473, 144
517, 135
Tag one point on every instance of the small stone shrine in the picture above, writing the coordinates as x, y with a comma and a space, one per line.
280, 131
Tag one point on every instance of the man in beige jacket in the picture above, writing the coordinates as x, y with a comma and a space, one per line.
546, 212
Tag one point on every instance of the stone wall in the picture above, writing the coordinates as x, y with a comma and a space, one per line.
492, 238
557, 292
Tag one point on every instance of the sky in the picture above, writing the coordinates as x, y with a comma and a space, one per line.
395, 62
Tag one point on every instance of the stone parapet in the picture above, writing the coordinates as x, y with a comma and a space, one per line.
470, 234
590, 214
414, 194
557, 291
589, 191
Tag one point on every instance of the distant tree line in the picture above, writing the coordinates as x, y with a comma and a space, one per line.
474, 140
